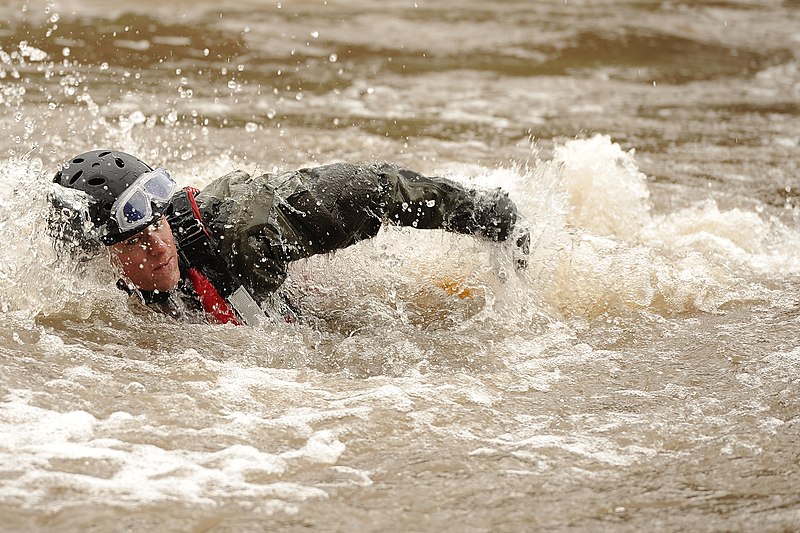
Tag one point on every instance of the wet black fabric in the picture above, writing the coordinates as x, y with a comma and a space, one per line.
264, 222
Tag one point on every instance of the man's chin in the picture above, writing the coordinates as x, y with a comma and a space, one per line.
167, 287
164, 283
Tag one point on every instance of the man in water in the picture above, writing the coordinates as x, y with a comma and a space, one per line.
223, 249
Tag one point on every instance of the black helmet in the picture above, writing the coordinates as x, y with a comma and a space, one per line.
103, 175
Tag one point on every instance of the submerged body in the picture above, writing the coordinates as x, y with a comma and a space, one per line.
196, 249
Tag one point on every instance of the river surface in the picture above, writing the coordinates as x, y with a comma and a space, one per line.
642, 375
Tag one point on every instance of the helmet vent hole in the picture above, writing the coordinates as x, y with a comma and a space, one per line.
95, 165
96, 182
75, 177
103, 154
120, 163
78, 160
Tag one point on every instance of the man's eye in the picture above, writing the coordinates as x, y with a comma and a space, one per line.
133, 241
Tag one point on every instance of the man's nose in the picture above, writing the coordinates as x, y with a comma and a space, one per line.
155, 244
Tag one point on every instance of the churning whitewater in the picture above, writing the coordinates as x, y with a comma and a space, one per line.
642, 373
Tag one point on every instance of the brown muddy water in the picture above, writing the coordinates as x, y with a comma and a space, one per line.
642, 375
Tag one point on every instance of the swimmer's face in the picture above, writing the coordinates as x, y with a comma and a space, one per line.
149, 259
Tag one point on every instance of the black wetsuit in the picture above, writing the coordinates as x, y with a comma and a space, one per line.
262, 223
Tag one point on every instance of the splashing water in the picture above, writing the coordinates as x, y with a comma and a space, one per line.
641, 371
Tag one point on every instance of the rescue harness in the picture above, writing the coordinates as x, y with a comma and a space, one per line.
220, 291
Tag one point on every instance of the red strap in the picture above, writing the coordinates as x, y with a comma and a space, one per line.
212, 301
190, 192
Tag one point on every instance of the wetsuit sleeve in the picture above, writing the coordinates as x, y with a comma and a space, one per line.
438, 203
332, 207
264, 222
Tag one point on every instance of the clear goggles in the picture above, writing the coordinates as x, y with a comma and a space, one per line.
134, 207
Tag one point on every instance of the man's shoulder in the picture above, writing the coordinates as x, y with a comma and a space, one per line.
235, 183
221, 186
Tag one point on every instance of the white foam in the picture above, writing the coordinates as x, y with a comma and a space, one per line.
608, 194
61, 450
33, 278
595, 448
611, 252
322, 447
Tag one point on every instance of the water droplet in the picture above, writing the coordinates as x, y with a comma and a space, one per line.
206, 52
271, 114
430, 203
232, 85
185, 156
137, 117
135, 388
315, 34
66, 51
251, 127
333, 58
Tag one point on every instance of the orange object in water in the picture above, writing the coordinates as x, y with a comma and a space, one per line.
454, 287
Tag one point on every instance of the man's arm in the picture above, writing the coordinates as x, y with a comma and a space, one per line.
264, 222
337, 205
438, 203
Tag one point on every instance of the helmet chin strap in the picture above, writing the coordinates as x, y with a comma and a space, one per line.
131, 289
124, 284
